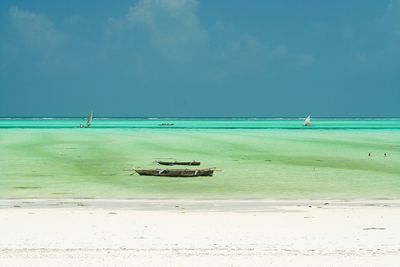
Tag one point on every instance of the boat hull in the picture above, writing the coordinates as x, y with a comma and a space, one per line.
175, 172
169, 163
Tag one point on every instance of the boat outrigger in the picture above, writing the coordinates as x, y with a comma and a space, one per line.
175, 172
172, 163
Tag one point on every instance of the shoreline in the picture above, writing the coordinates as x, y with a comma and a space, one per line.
221, 205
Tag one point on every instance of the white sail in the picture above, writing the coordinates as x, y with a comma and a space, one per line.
89, 120
307, 121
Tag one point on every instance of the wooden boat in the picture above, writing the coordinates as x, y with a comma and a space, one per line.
171, 163
175, 172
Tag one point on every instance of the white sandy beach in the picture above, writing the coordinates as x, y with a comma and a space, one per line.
198, 233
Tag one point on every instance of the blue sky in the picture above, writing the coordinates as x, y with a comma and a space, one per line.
199, 58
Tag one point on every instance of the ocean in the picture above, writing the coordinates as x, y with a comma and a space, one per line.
269, 158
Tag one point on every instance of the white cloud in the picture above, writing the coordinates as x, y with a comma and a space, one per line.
35, 29
389, 26
172, 25
280, 51
241, 49
391, 17
305, 60
247, 51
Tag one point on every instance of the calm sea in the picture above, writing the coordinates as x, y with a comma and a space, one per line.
335, 158
206, 123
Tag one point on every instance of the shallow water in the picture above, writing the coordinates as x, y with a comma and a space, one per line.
205, 123
256, 158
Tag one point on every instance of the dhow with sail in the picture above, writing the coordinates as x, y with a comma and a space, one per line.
89, 121
307, 121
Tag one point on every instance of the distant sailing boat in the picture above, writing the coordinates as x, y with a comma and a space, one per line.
89, 121
307, 121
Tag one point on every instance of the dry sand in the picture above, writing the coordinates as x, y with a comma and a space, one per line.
199, 233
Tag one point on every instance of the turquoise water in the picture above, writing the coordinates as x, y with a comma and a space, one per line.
255, 158
206, 123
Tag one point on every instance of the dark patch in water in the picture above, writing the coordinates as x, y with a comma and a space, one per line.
26, 187
269, 160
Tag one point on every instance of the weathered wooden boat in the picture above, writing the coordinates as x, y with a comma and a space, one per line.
175, 172
172, 163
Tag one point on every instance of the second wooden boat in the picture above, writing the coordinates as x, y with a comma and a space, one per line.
171, 163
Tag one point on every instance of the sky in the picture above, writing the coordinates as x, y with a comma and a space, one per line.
200, 58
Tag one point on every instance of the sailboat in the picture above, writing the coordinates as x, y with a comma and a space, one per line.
89, 121
307, 121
